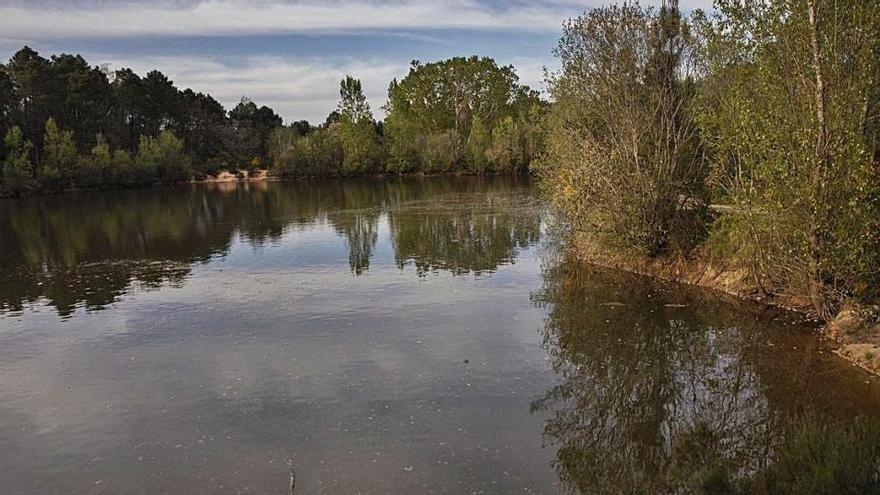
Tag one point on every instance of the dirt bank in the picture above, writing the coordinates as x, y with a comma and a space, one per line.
244, 175
849, 333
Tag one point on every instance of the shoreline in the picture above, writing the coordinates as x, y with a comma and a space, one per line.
849, 335
263, 176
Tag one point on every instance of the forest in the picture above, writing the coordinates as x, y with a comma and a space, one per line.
67, 124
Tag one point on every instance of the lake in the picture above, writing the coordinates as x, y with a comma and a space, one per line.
421, 335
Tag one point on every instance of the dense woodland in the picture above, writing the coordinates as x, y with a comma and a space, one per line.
70, 124
749, 135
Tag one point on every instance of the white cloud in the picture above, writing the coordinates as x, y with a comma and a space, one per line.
296, 89
237, 17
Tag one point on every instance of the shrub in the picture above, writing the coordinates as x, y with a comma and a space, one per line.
17, 168
161, 159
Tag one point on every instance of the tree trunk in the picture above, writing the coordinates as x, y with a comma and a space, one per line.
820, 169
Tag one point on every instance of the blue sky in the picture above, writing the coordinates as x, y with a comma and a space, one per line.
290, 54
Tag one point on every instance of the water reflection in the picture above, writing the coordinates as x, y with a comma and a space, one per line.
90, 249
661, 390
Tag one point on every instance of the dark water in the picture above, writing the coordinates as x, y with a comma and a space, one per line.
401, 336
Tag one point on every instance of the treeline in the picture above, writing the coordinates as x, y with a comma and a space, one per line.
750, 134
462, 115
65, 123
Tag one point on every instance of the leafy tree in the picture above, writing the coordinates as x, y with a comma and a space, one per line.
59, 161
34, 84
450, 95
204, 131
161, 103
17, 167
162, 158
478, 143
301, 127
357, 131
622, 151
786, 111
129, 114
8, 103
252, 127
96, 169
84, 97
318, 153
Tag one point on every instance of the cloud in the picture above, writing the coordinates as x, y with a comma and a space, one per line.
296, 89
239, 17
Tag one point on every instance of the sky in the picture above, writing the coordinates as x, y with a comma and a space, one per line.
291, 54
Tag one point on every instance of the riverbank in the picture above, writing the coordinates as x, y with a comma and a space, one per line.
261, 175
850, 333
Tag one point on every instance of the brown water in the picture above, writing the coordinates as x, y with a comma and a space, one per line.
399, 336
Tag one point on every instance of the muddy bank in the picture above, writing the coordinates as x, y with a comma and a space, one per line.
850, 334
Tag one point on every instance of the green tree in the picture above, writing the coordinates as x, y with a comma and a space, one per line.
622, 152
786, 112
162, 158
251, 127
449, 95
357, 129
59, 162
17, 167
96, 168
32, 77
84, 98
478, 143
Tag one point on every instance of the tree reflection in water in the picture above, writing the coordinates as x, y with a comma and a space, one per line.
91, 248
663, 391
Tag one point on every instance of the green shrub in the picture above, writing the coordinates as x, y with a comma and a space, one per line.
17, 168
161, 159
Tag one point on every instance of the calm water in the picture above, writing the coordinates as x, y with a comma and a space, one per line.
391, 336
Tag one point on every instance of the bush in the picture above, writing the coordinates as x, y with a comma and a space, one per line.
17, 168
58, 167
622, 151
161, 159
804, 192
318, 153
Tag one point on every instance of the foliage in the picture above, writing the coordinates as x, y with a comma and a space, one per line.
357, 129
58, 166
797, 160
251, 126
318, 153
162, 158
17, 168
112, 129
434, 108
622, 153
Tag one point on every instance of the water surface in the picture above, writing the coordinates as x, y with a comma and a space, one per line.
397, 336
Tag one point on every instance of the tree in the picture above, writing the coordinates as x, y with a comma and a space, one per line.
785, 112
252, 127
129, 114
17, 167
34, 84
59, 161
161, 104
357, 131
84, 96
204, 130
622, 151
8, 103
450, 95
478, 143
162, 158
